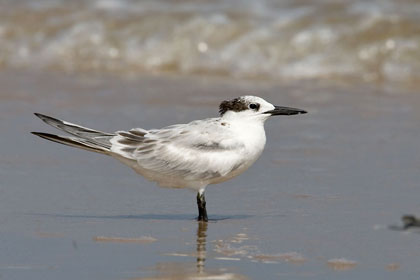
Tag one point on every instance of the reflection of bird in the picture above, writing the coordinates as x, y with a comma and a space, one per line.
201, 246
192, 155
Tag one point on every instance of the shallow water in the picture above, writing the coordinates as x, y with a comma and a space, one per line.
276, 40
317, 204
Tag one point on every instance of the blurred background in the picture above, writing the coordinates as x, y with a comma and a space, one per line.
355, 41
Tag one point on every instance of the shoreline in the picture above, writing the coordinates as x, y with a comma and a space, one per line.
324, 191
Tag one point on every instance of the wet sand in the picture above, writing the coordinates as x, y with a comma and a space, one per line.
316, 205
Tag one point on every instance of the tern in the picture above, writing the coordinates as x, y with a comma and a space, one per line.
192, 155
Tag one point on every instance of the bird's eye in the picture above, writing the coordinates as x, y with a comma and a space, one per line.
253, 106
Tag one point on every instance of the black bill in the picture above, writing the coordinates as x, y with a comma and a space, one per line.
279, 110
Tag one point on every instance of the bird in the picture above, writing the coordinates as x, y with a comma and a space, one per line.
192, 155
410, 221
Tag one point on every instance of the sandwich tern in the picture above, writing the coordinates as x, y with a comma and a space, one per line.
192, 155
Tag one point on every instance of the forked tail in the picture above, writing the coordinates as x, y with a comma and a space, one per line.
83, 137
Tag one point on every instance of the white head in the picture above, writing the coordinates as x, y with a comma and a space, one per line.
253, 108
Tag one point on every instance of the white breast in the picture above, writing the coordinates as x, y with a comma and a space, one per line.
252, 136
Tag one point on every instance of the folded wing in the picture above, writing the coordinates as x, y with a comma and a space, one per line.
196, 151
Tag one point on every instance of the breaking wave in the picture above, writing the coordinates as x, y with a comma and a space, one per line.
363, 40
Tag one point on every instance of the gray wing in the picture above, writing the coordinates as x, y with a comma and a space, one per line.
86, 138
201, 150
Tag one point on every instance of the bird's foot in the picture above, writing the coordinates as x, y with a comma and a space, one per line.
202, 212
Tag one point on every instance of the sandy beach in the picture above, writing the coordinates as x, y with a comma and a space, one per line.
317, 204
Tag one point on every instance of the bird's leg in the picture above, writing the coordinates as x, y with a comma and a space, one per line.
201, 203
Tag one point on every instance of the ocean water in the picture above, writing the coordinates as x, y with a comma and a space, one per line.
369, 41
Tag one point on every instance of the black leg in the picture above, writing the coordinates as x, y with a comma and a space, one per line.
201, 203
